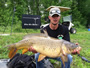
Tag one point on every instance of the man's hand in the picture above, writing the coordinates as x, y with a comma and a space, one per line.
32, 49
76, 52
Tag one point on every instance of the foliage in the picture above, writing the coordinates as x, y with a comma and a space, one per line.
12, 10
84, 11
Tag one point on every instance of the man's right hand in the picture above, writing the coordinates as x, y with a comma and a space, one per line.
32, 49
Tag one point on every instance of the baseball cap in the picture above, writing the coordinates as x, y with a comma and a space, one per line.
54, 11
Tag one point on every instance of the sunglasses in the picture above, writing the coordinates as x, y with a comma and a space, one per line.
55, 11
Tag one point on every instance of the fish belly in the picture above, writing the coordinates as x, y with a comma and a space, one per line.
47, 50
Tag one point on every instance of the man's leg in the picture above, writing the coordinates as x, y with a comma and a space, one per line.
67, 64
41, 63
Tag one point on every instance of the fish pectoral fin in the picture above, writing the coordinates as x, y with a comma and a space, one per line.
64, 59
64, 50
12, 52
41, 57
24, 51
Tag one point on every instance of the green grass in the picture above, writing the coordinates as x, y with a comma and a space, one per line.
82, 37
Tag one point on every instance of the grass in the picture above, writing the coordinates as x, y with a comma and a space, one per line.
82, 37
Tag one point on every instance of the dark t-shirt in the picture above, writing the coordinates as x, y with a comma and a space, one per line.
60, 31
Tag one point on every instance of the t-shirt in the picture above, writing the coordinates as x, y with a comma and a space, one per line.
61, 31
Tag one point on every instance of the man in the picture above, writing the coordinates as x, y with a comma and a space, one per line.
54, 29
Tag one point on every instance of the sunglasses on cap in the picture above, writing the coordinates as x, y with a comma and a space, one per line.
55, 11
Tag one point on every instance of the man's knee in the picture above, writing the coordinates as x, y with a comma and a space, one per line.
36, 56
70, 58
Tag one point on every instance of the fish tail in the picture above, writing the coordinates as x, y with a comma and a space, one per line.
12, 52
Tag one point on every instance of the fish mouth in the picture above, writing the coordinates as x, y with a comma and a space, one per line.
78, 48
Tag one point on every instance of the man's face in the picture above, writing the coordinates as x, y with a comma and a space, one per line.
54, 19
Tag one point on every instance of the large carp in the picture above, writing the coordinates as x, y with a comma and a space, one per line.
45, 45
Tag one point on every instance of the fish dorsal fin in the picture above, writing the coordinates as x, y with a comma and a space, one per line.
45, 34
41, 57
